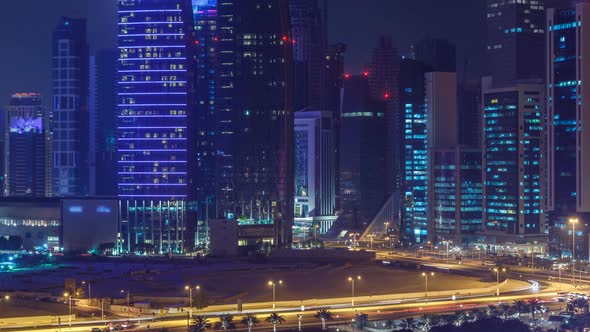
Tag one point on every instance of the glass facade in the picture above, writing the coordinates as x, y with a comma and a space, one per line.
513, 160
412, 102
562, 88
70, 120
153, 110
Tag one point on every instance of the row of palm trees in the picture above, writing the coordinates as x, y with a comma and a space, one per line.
226, 322
427, 321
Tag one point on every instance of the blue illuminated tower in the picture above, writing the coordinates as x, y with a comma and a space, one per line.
70, 122
153, 114
513, 160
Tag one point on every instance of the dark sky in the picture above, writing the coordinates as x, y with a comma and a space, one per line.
26, 27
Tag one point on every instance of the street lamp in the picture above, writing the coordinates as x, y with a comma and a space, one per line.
69, 296
274, 285
352, 279
447, 243
89, 297
573, 221
498, 280
425, 275
315, 230
128, 312
190, 298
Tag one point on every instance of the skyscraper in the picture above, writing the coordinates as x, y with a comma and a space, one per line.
315, 172
309, 47
515, 40
153, 109
70, 122
362, 157
440, 54
383, 85
25, 145
568, 151
244, 156
513, 160
103, 107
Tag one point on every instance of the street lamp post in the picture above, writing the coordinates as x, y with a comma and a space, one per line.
274, 285
425, 275
128, 312
69, 296
498, 280
573, 221
190, 298
89, 294
352, 279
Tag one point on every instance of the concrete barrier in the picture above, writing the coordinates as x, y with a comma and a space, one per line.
36, 320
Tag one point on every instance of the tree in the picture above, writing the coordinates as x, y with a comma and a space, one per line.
534, 304
225, 323
200, 299
505, 309
409, 324
459, 318
579, 303
324, 315
491, 310
520, 306
250, 321
275, 319
200, 324
427, 322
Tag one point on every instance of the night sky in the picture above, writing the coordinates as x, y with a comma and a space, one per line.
26, 25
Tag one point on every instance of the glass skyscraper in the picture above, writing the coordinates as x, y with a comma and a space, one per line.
70, 121
153, 114
514, 159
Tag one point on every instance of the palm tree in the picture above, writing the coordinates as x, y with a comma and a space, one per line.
427, 322
275, 319
520, 306
225, 323
505, 311
324, 315
250, 321
491, 310
200, 324
408, 324
459, 318
533, 306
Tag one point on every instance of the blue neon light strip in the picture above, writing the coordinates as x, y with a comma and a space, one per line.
170, 196
171, 173
151, 127
153, 139
151, 116
153, 46
152, 71
151, 34
153, 184
150, 161
147, 105
152, 150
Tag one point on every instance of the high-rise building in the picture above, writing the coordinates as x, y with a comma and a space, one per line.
70, 121
440, 54
154, 104
103, 120
25, 145
244, 118
315, 172
383, 75
362, 156
412, 94
456, 194
470, 115
513, 160
309, 47
568, 151
515, 40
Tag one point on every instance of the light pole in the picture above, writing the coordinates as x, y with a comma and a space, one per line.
498, 280
128, 312
69, 296
425, 275
447, 243
560, 277
89, 294
190, 298
274, 285
352, 279
573, 221
315, 230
